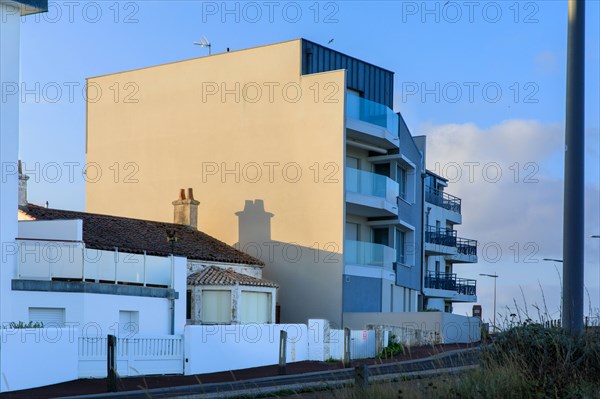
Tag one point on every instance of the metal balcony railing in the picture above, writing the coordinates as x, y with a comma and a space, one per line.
439, 236
465, 246
447, 237
442, 199
449, 282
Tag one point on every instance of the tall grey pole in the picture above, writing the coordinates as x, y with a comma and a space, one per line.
572, 317
495, 278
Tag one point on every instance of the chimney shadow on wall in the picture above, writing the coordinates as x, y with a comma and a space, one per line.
296, 268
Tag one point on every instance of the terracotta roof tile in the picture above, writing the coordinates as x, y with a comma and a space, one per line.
214, 275
105, 232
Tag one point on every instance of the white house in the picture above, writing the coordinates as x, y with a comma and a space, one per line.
106, 274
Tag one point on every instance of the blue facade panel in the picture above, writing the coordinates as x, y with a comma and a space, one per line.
361, 294
412, 213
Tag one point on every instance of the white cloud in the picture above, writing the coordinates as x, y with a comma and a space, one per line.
511, 188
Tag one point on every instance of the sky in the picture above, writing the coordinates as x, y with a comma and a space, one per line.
484, 80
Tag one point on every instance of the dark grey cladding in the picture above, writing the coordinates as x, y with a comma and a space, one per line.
375, 83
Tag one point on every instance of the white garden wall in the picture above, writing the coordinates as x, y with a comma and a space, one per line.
213, 348
36, 357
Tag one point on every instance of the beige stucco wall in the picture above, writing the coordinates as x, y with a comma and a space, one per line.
171, 133
451, 328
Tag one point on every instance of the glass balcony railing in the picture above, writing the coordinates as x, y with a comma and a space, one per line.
449, 281
368, 253
371, 112
372, 184
64, 260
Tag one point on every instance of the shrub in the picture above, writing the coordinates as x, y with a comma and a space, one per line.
31, 324
394, 348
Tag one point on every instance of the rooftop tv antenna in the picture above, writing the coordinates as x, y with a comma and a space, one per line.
204, 43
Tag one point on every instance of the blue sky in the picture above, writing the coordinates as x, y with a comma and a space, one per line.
511, 54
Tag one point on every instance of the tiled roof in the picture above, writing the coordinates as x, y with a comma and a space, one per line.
107, 232
214, 275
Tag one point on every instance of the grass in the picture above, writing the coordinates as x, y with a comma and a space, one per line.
525, 361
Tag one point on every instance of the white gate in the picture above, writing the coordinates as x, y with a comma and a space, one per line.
362, 344
142, 355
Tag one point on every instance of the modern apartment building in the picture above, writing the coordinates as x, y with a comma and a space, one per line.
443, 248
297, 158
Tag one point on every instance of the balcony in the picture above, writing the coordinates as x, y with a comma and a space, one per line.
460, 287
54, 260
445, 242
362, 253
466, 251
442, 199
440, 241
369, 194
371, 122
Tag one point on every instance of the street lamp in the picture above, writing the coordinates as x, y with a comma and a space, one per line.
553, 260
494, 276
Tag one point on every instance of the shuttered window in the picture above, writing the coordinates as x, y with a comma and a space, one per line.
216, 306
256, 307
51, 317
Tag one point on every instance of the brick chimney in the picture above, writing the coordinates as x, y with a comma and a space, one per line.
186, 209
22, 186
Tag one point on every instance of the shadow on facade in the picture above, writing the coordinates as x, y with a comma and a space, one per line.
309, 278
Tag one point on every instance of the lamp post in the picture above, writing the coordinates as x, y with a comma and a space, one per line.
573, 214
553, 260
494, 276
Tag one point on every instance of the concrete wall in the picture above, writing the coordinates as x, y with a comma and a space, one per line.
452, 328
279, 147
36, 357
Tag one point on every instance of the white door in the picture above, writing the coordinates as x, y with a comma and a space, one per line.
128, 323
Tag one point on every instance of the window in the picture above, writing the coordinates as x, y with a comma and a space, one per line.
256, 307
400, 247
380, 236
448, 267
50, 317
437, 267
402, 181
216, 306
